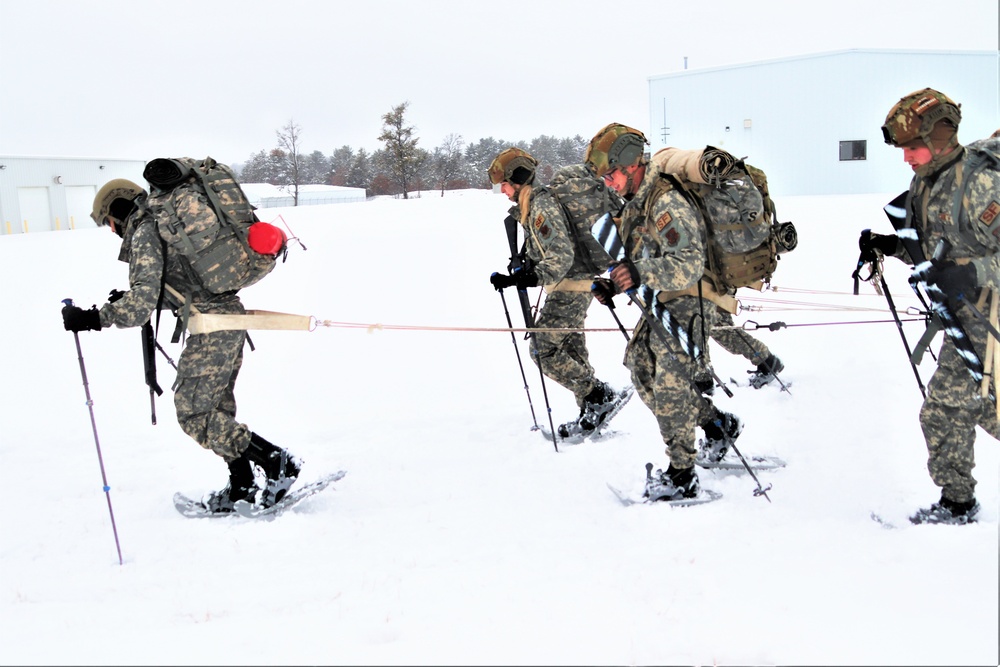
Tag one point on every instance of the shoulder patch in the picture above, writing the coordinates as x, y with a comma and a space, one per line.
664, 220
989, 216
539, 221
673, 236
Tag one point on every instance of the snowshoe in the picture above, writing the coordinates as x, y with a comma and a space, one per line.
766, 372
720, 434
672, 484
599, 406
280, 468
947, 512
241, 487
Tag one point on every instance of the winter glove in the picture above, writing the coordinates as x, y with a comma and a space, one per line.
115, 294
604, 290
625, 276
521, 278
955, 280
77, 319
869, 243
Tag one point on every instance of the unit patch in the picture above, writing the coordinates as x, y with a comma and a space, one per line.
989, 216
673, 236
664, 220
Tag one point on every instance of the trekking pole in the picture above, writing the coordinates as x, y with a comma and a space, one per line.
877, 271
611, 309
759, 491
97, 442
524, 378
529, 324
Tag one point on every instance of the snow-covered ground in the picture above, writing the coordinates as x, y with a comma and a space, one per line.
459, 536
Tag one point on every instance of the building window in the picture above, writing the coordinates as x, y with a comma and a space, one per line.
853, 150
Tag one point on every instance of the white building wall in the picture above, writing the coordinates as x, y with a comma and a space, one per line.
55, 193
789, 116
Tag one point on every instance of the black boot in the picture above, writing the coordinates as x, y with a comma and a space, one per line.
279, 466
948, 511
766, 372
241, 486
673, 484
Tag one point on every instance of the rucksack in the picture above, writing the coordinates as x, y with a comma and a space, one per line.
744, 237
584, 199
202, 213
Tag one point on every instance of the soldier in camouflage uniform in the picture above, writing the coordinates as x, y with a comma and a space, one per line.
665, 240
553, 262
209, 364
955, 196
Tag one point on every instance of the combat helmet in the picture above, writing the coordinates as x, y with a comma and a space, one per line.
916, 115
116, 199
514, 166
615, 145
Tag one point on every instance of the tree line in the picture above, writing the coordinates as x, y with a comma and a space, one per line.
400, 166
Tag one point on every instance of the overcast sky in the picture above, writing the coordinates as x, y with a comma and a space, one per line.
140, 79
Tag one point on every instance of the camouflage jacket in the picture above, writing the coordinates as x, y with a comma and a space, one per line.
548, 243
975, 234
146, 254
664, 234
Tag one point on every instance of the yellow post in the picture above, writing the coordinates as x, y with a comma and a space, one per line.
25, 226
71, 223
57, 223
8, 226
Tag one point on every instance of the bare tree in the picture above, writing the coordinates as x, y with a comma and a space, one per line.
400, 147
289, 139
449, 162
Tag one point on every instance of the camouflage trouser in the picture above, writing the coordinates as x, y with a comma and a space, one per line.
950, 414
564, 356
203, 392
663, 375
738, 341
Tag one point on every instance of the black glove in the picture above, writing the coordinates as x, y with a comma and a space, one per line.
114, 295
955, 280
521, 278
604, 291
869, 243
78, 319
501, 280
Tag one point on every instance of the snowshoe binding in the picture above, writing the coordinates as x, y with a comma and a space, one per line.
599, 407
672, 484
280, 468
241, 486
720, 434
766, 372
948, 512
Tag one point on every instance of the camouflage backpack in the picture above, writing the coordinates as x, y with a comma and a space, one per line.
202, 213
584, 199
744, 237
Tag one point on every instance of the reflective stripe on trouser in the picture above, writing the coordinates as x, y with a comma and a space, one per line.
564, 356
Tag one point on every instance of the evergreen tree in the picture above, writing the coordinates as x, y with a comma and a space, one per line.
316, 169
341, 163
361, 171
478, 157
401, 156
